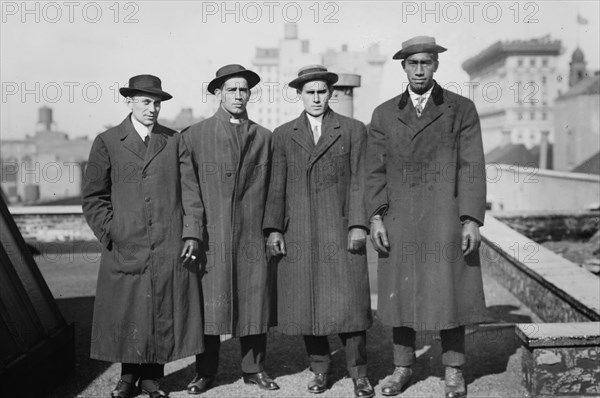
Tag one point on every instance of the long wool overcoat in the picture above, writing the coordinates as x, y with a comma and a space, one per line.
232, 163
141, 203
428, 172
315, 197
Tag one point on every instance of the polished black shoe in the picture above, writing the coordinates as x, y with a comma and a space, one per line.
362, 388
124, 390
261, 379
319, 382
397, 382
454, 383
200, 384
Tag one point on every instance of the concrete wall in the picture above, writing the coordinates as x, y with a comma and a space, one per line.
513, 188
577, 130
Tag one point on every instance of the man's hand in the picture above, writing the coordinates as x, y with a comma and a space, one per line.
379, 235
357, 239
190, 250
276, 244
471, 238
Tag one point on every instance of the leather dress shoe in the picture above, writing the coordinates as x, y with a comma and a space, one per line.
454, 383
152, 388
261, 379
362, 388
319, 382
123, 390
200, 384
397, 382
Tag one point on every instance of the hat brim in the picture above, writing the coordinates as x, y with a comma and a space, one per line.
418, 48
251, 77
130, 92
299, 82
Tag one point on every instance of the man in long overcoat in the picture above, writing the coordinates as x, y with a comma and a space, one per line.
316, 221
425, 196
141, 200
232, 156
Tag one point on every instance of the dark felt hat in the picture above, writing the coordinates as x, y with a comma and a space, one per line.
418, 44
313, 72
229, 71
145, 84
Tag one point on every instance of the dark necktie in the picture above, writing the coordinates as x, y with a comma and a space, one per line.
147, 140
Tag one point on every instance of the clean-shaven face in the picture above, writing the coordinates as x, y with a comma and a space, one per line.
234, 95
419, 69
145, 108
315, 97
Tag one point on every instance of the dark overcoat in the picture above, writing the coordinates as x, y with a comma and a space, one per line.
232, 163
141, 203
315, 197
429, 173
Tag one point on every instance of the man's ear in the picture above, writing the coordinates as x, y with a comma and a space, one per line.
436, 64
403, 64
129, 102
218, 93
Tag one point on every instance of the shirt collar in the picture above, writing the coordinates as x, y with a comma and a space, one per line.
142, 130
314, 121
414, 97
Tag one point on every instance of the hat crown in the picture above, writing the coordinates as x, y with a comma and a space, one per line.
311, 69
418, 40
144, 82
229, 69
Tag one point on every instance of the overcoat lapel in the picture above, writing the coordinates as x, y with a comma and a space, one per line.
433, 110
158, 140
301, 135
131, 140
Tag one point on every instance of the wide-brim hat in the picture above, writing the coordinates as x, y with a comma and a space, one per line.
313, 72
227, 72
418, 44
145, 84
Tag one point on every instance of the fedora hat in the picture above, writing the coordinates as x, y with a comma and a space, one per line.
313, 72
418, 44
145, 84
229, 71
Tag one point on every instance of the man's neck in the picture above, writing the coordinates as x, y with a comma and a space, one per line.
239, 116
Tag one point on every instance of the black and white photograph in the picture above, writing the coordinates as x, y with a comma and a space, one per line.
300, 199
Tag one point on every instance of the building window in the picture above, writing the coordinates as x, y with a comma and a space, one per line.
544, 79
545, 62
520, 116
532, 62
544, 116
519, 62
532, 115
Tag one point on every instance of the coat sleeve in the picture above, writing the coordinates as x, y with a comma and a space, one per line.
471, 188
376, 197
191, 198
96, 192
357, 215
274, 218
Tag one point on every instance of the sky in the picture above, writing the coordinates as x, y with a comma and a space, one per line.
73, 56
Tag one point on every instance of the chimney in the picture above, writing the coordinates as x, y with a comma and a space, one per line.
544, 150
343, 93
290, 31
505, 138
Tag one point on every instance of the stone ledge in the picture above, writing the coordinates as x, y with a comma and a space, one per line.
571, 334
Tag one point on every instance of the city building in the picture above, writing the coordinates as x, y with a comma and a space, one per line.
184, 118
577, 119
517, 83
45, 166
273, 102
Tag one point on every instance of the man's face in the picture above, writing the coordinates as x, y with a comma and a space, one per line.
315, 97
234, 95
145, 108
419, 69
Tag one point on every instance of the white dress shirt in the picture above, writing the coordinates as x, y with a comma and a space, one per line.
415, 97
318, 122
142, 130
